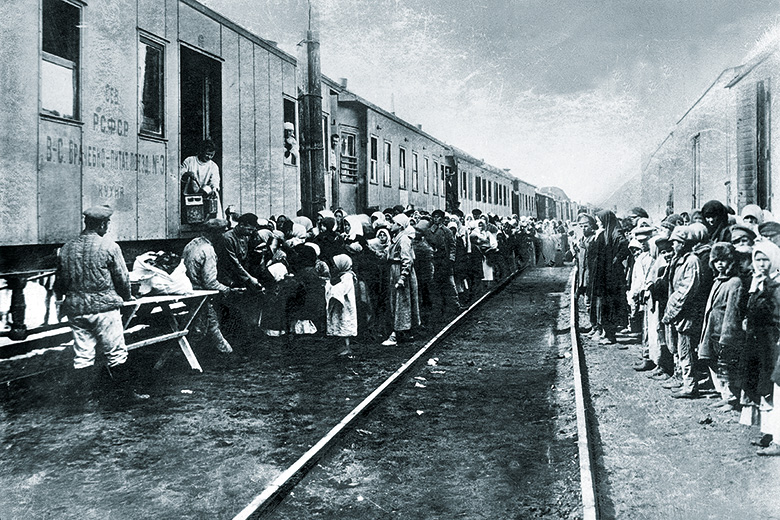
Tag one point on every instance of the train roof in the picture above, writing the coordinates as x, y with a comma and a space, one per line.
554, 192
460, 154
266, 44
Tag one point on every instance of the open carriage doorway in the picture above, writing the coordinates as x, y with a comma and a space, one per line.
201, 103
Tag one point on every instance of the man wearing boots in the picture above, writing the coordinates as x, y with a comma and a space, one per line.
93, 279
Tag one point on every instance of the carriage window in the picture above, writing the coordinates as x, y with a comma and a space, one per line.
387, 179
490, 192
415, 172
290, 133
349, 158
60, 58
435, 178
463, 185
150, 87
479, 189
426, 173
374, 159
402, 168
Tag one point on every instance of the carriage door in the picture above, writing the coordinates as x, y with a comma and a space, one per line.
348, 172
201, 103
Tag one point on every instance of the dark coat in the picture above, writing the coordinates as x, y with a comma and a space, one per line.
723, 316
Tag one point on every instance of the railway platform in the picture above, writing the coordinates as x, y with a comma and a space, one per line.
658, 457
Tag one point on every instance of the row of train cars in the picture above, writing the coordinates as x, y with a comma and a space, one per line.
104, 101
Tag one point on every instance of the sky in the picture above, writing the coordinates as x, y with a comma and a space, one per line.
567, 93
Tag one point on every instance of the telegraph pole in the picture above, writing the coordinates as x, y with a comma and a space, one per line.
310, 115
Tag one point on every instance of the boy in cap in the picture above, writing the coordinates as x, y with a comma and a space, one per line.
92, 277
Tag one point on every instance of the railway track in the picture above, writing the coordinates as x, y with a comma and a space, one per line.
240, 428
271, 497
273, 494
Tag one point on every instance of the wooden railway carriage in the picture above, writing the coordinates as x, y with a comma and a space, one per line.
104, 100
383, 160
477, 185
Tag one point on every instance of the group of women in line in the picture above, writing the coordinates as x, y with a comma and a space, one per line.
377, 276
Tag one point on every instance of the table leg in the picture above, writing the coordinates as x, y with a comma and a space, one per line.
183, 343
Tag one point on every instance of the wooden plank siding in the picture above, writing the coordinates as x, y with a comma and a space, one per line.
746, 144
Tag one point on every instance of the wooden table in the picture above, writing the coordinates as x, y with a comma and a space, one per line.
177, 312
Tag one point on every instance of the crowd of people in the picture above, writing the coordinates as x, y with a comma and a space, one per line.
378, 277
701, 291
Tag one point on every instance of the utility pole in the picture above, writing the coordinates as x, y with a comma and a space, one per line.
310, 116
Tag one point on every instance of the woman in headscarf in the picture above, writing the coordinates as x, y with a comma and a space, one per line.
306, 223
758, 374
282, 295
309, 316
609, 311
341, 302
377, 281
378, 220
716, 218
752, 217
404, 303
331, 243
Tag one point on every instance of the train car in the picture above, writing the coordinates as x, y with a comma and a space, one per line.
383, 160
698, 159
102, 111
523, 199
475, 184
545, 206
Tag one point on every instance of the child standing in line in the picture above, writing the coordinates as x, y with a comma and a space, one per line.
722, 337
340, 302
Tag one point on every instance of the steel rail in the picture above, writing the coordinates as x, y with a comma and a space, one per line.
590, 510
277, 490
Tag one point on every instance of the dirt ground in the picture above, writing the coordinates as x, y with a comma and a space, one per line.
484, 429
672, 459
205, 444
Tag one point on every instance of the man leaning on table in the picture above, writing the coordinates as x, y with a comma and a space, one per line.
93, 279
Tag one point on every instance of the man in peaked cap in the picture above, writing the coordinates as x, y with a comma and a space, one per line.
200, 260
92, 277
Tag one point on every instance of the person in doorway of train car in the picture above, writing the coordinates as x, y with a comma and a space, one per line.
404, 303
716, 218
205, 172
93, 279
608, 278
290, 144
341, 302
683, 307
723, 338
200, 260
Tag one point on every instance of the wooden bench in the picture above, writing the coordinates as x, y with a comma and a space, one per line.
148, 320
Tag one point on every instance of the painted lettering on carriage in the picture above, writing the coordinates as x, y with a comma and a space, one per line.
110, 191
110, 125
108, 119
61, 150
